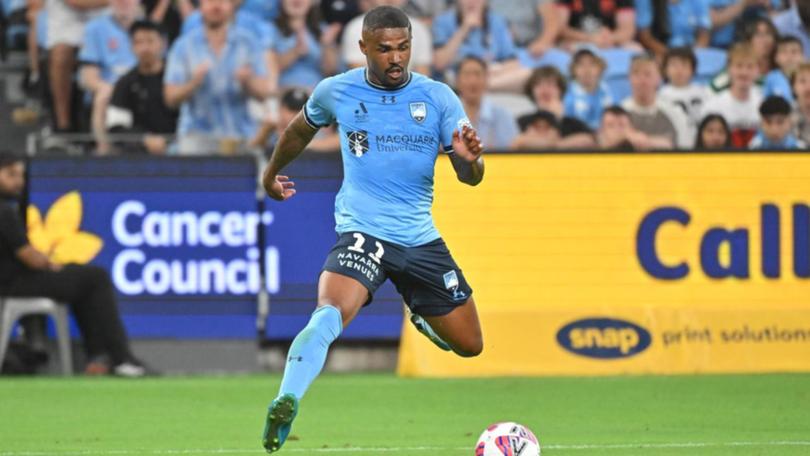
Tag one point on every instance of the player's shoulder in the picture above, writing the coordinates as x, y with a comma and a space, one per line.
436, 90
353, 77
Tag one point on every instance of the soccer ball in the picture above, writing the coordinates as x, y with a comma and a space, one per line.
507, 439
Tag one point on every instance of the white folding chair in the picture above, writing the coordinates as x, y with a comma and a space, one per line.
13, 308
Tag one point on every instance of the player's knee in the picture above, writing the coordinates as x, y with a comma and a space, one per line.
470, 348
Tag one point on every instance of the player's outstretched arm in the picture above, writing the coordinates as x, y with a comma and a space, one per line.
292, 142
467, 156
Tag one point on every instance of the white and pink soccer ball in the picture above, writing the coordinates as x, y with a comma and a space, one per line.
507, 439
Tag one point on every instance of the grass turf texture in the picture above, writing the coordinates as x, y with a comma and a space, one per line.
382, 414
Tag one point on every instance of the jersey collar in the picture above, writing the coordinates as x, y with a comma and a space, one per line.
390, 89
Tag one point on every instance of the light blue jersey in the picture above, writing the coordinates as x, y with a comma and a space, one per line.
789, 142
587, 106
390, 139
305, 71
106, 44
776, 83
219, 107
686, 17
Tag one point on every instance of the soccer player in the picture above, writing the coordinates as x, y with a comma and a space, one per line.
392, 124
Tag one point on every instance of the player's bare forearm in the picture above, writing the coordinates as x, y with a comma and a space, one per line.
471, 173
292, 142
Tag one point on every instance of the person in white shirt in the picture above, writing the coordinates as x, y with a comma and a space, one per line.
679, 69
739, 104
422, 47
648, 113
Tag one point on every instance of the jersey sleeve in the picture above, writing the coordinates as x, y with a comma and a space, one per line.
319, 110
453, 116
91, 52
443, 29
644, 14
506, 49
177, 71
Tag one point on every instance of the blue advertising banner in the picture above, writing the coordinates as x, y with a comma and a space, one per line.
186, 243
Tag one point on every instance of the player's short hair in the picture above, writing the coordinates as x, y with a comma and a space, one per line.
294, 99
583, 53
9, 159
527, 120
741, 51
803, 67
145, 25
472, 58
543, 73
773, 106
643, 58
683, 53
616, 110
789, 39
385, 17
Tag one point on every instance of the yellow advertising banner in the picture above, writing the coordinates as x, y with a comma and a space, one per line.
610, 264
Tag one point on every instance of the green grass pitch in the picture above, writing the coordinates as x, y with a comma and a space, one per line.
386, 415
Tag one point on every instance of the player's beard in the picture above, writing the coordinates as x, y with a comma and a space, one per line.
396, 80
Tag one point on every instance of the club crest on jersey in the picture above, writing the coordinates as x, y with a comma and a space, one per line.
419, 111
358, 142
452, 284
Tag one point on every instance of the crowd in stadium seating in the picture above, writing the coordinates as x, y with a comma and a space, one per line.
225, 76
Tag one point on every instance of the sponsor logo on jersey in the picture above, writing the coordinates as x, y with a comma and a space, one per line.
358, 142
418, 111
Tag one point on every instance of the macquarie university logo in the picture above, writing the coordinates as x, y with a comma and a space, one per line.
358, 142
419, 111
59, 236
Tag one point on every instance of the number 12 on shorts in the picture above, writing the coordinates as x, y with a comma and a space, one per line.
358, 247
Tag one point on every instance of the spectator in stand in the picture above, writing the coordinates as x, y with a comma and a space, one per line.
800, 82
165, 14
776, 132
473, 29
725, 15
587, 95
338, 13
535, 24
266, 10
494, 124
713, 133
679, 70
648, 113
602, 23
25, 271
667, 24
542, 130
739, 104
105, 56
796, 22
427, 10
66, 22
137, 105
421, 47
546, 88
261, 31
211, 73
789, 55
617, 133
291, 103
305, 51
761, 35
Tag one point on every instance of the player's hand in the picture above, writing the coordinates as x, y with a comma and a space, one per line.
467, 144
280, 188
199, 74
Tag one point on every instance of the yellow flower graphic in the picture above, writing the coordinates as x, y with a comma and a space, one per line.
59, 236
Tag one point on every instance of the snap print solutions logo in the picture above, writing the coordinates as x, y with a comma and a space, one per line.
358, 142
59, 236
604, 338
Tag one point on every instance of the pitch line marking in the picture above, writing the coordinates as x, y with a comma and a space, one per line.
596, 446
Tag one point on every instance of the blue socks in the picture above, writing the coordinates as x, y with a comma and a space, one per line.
308, 351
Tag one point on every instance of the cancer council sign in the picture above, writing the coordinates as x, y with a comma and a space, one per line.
188, 244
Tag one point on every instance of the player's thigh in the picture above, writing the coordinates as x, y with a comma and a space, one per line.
351, 274
342, 292
460, 328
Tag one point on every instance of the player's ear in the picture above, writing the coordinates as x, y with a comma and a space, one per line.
362, 47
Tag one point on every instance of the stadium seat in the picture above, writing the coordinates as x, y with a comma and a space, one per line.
710, 61
12, 309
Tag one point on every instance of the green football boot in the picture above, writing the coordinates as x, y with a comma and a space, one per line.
280, 416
